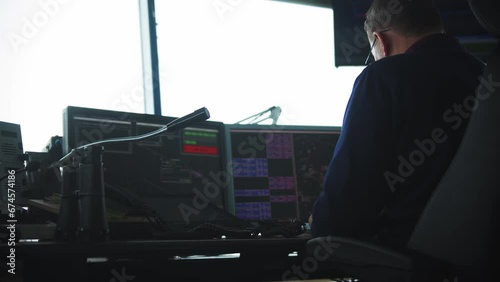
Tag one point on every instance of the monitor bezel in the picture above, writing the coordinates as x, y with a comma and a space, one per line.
231, 204
69, 125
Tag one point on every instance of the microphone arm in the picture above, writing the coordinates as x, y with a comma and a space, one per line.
274, 113
82, 213
199, 115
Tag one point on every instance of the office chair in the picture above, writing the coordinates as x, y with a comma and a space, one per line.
456, 237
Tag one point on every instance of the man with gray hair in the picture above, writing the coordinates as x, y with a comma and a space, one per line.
402, 126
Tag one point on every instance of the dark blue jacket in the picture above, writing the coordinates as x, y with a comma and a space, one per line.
402, 126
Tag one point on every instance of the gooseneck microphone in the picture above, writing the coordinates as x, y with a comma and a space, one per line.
274, 114
187, 120
197, 116
82, 213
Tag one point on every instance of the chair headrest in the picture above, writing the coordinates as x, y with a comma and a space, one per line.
486, 12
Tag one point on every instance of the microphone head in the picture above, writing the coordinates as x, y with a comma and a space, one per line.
275, 112
199, 115
205, 112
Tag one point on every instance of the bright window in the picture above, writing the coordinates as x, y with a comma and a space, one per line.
238, 58
57, 53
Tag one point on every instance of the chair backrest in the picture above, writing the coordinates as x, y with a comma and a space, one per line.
460, 222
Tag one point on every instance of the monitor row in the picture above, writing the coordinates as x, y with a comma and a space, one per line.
256, 172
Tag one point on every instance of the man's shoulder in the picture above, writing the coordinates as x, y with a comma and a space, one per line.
396, 63
385, 68
390, 65
421, 62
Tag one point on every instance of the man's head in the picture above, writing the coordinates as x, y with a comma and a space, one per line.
395, 25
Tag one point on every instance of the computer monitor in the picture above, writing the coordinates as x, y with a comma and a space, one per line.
174, 173
11, 160
277, 171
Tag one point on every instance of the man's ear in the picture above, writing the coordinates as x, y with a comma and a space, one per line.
385, 43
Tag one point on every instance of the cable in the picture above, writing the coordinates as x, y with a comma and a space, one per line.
274, 114
287, 229
32, 166
209, 231
219, 230
134, 202
16, 172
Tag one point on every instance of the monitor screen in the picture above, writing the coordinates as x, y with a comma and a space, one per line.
277, 171
174, 173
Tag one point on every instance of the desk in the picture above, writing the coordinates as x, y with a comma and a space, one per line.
124, 260
260, 259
